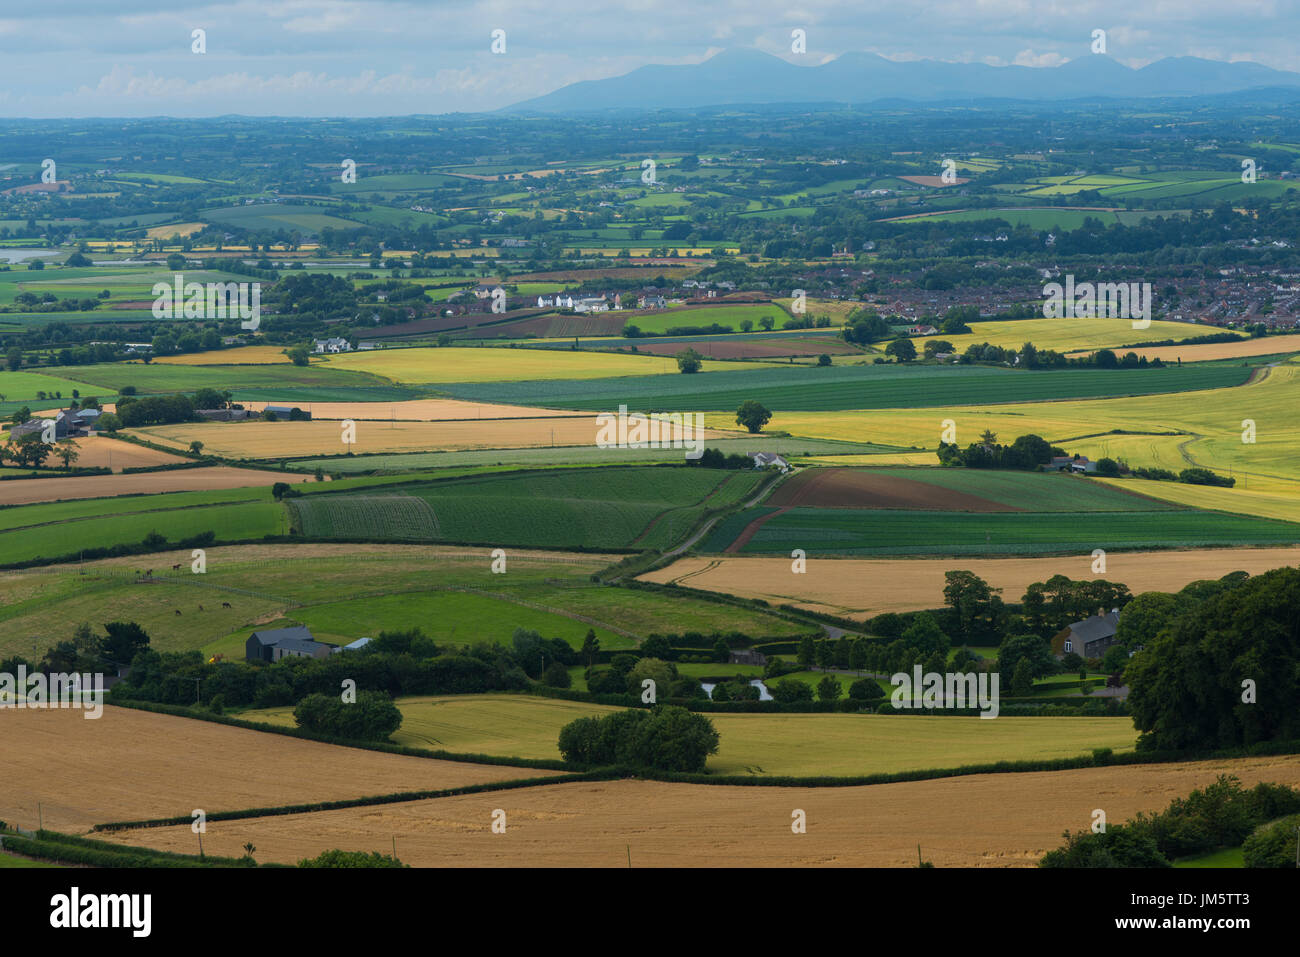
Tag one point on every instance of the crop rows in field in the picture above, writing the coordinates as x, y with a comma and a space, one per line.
880, 532
852, 387
395, 517
587, 508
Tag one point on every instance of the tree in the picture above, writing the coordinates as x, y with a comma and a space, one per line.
298, 355
67, 452
688, 361
123, 640
721, 650
752, 415
1022, 679
662, 673
79, 260
1187, 688
556, 676
1108, 467
823, 360
1036, 651
866, 689
791, 691
657, 646
828, 689
372, 717
903, 349
590, 647
807, 653
175, 262
108, 422
14, 358
196, 447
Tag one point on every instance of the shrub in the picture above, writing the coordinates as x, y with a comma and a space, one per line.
337, 858
373, 716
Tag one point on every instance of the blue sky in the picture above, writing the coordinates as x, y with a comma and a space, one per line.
79, 58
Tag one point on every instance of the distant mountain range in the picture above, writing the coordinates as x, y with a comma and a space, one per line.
749, 77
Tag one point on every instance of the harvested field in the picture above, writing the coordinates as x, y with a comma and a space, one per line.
99, 451
274, 440
520, 726
131, 765
936, 181
419, 410
987, 820
247, 355
103, 486
496, 365
861, 588
855, 488
1264, 346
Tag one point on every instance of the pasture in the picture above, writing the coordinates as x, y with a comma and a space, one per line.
350, 591
986, 820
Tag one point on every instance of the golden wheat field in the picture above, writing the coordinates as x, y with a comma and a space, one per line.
1210, 423
1207, 351
99, 451
419, 366
1064, 335
242, 356
420, 410
987, 820
141, 483
862, 587
271, 440
132, 765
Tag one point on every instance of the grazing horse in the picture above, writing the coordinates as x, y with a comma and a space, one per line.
176, 566
178, 611
200, 607
225, 604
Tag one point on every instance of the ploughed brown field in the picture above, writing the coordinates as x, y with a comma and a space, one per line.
987, 820
862, 587
26, 491
757, 349
855, 488
132, 765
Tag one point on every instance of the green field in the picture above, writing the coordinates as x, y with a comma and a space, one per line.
316, 383
759, 744
864, 532
589, 508
1030, 491
350, 592
307, 220
808, 388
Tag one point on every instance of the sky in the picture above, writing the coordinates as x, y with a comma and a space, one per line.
128, 58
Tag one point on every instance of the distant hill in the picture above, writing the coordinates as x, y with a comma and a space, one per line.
736, 77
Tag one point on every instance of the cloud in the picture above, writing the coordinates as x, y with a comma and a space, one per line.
1030, 58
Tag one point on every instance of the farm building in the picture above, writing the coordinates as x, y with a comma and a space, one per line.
922, 330
280, 643
1088, 638
1071, 463
68, 423
747, 657
332, 344
223, 415
767, 460
356, 645
288, 413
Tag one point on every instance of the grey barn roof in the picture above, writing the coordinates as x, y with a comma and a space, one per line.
1098, 626
281, 636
